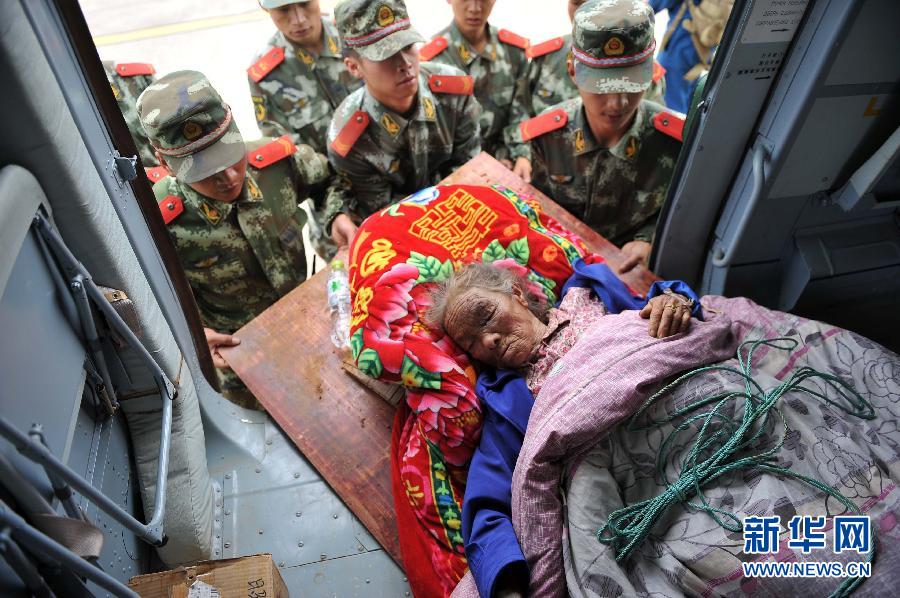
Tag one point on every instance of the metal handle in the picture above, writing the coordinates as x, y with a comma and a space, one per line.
152, 531
37, 542
723, 257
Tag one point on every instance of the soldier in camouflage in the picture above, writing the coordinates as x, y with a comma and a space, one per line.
496, 61
300, 78
409, 126
608, 155
233, 215
548, 81
128, 80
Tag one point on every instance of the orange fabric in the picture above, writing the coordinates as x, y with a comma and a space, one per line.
433, 48
513, 39
171, 208
133, 69
462, 85
266, 64
156, 173
271, 152
539, 125
351, 132
670, 124
659, 71
544, 48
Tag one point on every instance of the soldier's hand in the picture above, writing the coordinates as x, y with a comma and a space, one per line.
634, 253
523, 169
215, 340
342, 231
668, 314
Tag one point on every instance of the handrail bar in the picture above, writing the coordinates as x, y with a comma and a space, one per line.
722, 258
79, 277
40, 543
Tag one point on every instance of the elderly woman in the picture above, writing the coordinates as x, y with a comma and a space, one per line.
493, 314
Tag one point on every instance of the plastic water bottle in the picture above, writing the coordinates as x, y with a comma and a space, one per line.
339, 304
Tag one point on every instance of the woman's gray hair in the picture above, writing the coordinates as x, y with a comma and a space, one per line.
488, 278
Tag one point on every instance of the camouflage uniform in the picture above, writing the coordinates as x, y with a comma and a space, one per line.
295, 92
239, 257
382, 154
499, 71
617, 190
548, 82
127, 81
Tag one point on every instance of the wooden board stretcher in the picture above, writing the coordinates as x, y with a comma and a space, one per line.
286, 358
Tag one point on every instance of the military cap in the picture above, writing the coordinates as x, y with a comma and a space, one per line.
190, 126
376, 29
613, 45
269, 4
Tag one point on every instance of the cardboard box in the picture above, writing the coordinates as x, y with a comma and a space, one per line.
242, 577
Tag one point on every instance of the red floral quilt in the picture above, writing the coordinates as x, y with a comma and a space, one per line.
397, 257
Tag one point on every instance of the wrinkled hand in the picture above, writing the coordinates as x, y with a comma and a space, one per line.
215, 340
634, 252
522, 168
668, 314
342, 231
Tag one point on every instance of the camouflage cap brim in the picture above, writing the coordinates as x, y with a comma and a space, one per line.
625, 79
269, 4
225, 152
390, 45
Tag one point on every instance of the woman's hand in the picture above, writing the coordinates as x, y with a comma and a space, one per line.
634, 253
214, 340
668, 314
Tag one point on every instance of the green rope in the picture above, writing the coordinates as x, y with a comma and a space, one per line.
727, 443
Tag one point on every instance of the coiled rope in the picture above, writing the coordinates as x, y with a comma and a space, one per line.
727, 443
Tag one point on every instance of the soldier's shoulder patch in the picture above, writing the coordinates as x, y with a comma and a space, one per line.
271, 152
513, 39
659, 71
543, 124
350, 133
156, 173
134, 69
171, 207
670, 124
544, 48
266, 64
456, 84
433, 48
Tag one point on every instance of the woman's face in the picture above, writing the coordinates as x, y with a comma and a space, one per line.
494, 328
